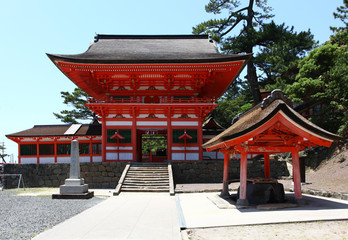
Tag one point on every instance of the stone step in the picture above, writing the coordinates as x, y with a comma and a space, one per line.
145, 185
149, 167
145, 190
148, 174
146, 178
147, 170
135, 180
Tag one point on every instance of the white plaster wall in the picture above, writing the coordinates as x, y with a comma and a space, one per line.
119, 123
192, 156
28, 160
63, 160
121, 148
122, 156
178, 156
183, 148
182, 123
97, 159
126, 156
151, 123
181, 156
85, 159
46, 159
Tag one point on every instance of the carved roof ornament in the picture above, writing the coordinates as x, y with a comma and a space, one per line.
275, 94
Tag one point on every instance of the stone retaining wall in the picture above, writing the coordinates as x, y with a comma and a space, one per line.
212, 171
97, 175
107, 174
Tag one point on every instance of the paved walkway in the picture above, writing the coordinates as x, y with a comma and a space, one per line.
160, 216
201, 210
127, 216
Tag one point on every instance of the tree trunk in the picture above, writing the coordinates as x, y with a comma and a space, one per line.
251, 70
253, 83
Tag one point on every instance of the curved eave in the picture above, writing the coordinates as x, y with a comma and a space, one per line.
216, 59
282, 113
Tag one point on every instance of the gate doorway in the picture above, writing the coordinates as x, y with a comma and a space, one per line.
152, 145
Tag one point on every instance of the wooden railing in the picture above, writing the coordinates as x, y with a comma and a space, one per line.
160, 101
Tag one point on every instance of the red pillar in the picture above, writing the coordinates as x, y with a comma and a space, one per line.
267, 166
225, 192
55, 150
134, 139
296, 174
37, 152
200, 139
19, 153
104, 139
243, 201
169, 134
90, 150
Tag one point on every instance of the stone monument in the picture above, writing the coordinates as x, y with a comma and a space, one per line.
74, 187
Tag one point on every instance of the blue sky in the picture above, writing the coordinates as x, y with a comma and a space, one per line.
31, 84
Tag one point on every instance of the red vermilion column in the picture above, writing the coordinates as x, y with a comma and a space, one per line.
243, 201
243, 175
104, 139
169, 134
19, 153
90, 150
296, 174
200, 139
37, 152
267, 166
134, 139
225, 176
55, 150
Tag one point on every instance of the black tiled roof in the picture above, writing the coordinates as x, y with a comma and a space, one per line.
260, 114
119, 49
58, 130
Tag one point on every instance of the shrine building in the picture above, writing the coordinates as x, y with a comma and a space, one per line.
140, 86
270, 127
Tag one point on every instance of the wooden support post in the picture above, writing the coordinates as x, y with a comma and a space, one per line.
169, 134
134, 138
55, 150
104, 139
90, 150
19, 153
37, 152
267, 166
243, 201
200, 139
297, 176
225, 192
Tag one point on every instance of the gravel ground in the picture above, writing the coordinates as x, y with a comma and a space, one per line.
23, 217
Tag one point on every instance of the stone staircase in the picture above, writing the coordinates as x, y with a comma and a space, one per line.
146, 177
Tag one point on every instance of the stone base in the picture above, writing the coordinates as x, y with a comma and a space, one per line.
86, 195
225, 194
242, 203
74, 182
300, 201
78, 189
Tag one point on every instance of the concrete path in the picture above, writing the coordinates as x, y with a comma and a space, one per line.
127, 216
199, 210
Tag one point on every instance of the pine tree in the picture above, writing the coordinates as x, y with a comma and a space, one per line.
77, 99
